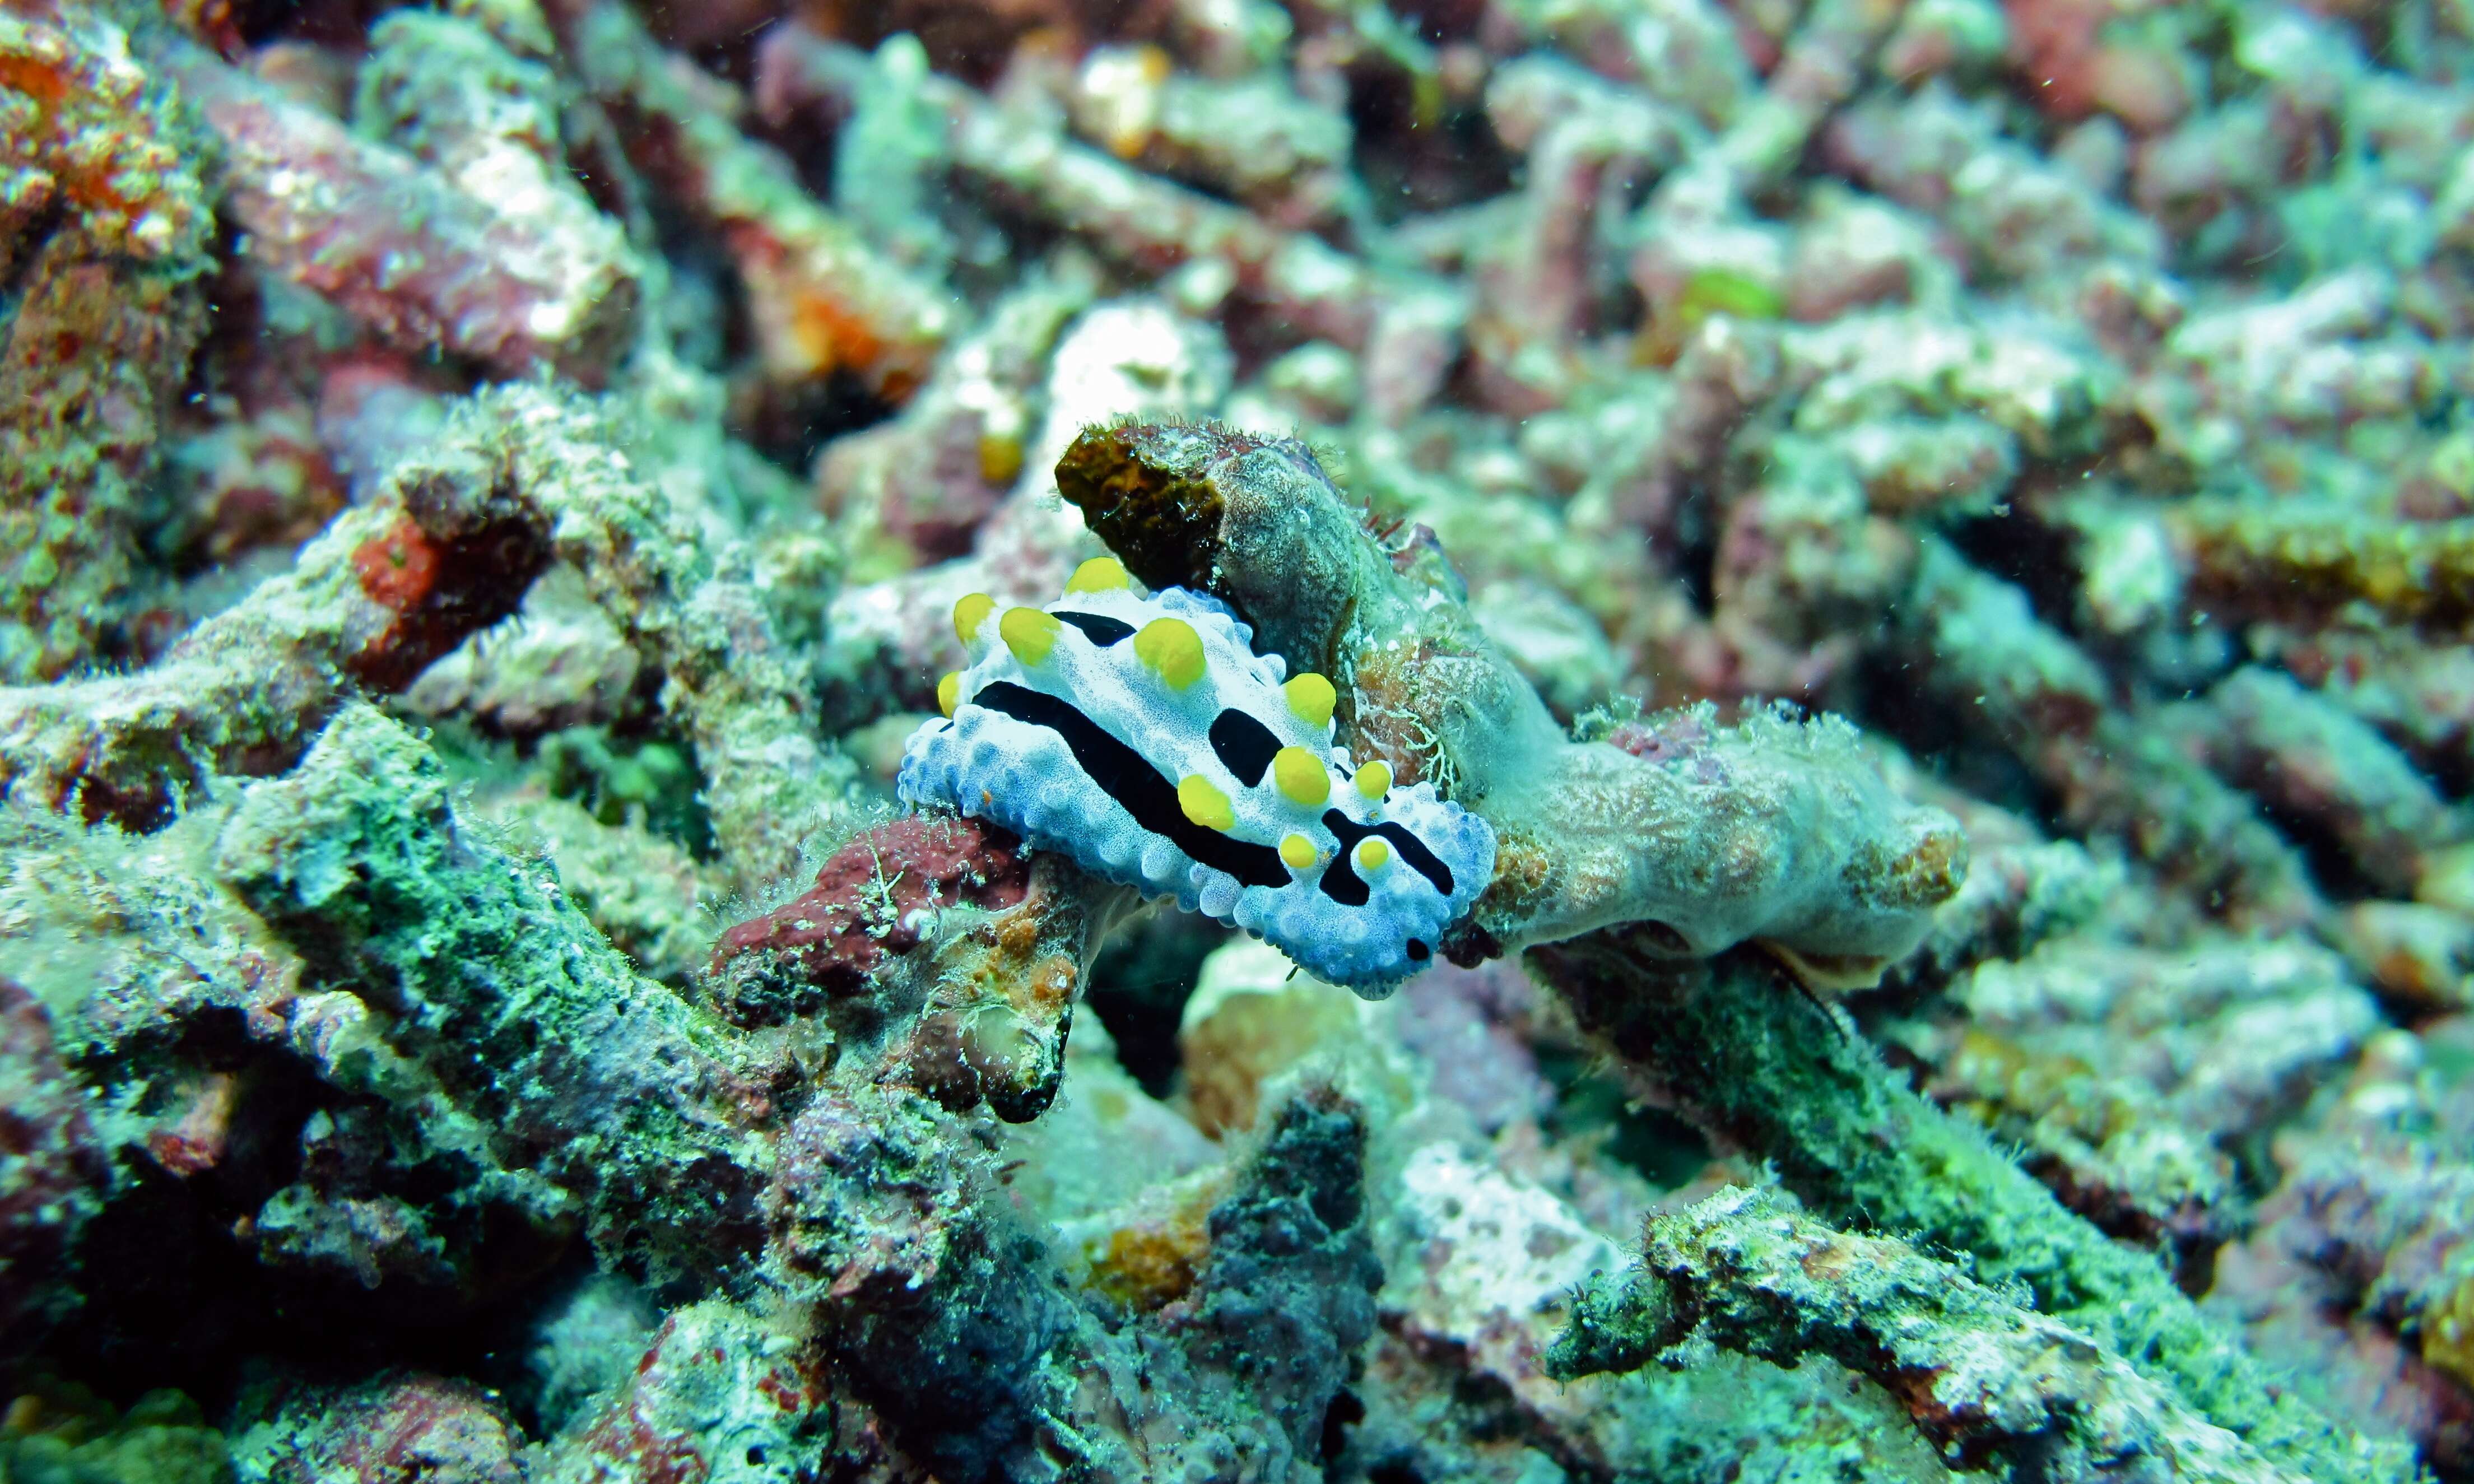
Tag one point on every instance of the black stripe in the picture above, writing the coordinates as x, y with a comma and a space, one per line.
1339, 880
1124, 775
1244, 745
1098, 627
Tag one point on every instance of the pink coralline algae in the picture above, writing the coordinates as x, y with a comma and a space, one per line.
870, 898
395, 1427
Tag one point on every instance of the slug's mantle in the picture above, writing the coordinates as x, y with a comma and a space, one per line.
1144, 737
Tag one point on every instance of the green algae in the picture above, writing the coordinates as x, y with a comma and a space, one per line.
1752, 1063
359, 860
646, 780
63, 1433
1713, 291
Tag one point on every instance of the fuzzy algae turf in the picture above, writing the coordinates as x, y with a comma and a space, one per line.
444, 547
604, 1100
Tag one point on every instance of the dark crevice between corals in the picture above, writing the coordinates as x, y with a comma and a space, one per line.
950, 1320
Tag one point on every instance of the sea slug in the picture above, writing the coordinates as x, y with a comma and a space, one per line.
1144, 736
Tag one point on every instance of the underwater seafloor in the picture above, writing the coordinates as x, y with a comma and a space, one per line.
1937, 537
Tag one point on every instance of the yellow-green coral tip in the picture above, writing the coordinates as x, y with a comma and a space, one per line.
1375, 779
1173, 649
1299, 851
1301, 775
1310, 697
1205, 804
1372, 855
949, 692
1099, 574
1028, 633
970, 613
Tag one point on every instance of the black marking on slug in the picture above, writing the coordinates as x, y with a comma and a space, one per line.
1098, 627
1339, 880
1124, 775
1244, 745
1419, 952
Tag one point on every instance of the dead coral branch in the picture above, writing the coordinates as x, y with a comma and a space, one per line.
1990, 1381
1761, 1070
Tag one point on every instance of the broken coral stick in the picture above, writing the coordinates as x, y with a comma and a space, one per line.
821, 299
1406, 324
424, 265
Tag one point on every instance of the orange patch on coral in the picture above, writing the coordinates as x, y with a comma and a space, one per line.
36, 79
87, 182
398, 569
1052, 984
1017, 934
831, 335
1152, 1262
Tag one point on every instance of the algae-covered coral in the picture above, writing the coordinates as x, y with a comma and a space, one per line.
1913, 554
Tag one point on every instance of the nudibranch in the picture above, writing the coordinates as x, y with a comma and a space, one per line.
1141, 735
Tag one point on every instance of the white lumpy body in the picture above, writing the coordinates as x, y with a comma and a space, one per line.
1025, 776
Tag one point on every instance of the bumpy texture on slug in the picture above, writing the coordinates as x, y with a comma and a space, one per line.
1143, 737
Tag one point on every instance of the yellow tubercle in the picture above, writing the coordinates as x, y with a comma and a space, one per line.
969, 613
1375, 779
999, 457
2448, 1332
1310, 697
1302, 777
1028, 633
949, 692
1372, 855
1099, 574
1299, 852
1173, 649
1205, 804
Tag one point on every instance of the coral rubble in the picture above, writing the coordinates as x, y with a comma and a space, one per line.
108, 225
1935, 539
1984, 1377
